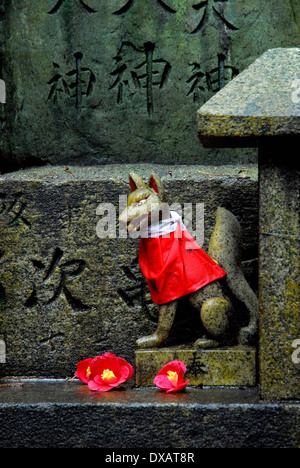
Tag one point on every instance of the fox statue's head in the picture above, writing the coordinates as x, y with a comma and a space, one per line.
144, 203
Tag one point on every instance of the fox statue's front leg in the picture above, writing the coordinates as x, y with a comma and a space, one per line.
167, 314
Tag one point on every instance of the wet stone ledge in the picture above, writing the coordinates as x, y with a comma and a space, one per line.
60, 414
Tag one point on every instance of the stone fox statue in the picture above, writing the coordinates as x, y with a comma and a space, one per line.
174, 266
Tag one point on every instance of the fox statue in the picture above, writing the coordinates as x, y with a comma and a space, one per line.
174, 266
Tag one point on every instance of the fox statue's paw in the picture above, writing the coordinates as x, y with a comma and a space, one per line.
150, 341
206, 343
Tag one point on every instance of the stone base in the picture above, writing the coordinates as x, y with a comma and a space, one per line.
235, 366
60, 414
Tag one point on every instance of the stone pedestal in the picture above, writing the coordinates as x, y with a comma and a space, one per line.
260, 108
234, 366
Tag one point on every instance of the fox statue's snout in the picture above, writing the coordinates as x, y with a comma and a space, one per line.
208, 281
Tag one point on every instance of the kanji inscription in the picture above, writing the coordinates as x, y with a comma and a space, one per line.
196, 367
216, 8
212, 80
12, 209
83, 3
50, 281
137, 292
137, 69
74, 84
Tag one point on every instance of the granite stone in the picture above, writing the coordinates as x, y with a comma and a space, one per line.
279, 273
261, 107
120, 81
261, 102
59, 414
67, 294
228, 366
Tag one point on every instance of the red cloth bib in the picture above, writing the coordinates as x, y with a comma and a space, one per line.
174, 265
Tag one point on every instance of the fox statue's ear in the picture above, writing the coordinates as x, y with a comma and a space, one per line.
156, 184
135, 181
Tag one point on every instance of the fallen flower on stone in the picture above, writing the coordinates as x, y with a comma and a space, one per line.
84, 370
105, 372
170, 377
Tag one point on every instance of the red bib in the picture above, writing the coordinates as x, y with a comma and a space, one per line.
174, 265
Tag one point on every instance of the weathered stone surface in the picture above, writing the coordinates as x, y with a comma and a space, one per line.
69, 415
67, 295
234, 366
122, 80
262, 107
279, 273
227, 250
216, 324
261, 102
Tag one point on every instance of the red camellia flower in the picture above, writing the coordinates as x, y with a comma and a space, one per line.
170, 377
104, 372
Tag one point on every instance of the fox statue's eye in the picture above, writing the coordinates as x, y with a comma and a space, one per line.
141, 202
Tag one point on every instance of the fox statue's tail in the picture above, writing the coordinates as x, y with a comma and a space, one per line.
225, 247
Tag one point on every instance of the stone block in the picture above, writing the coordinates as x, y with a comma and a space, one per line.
279, 273
234, 366
66, 294
121, 81
246, 109
60, 414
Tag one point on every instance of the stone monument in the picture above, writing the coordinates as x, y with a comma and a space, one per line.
94, 82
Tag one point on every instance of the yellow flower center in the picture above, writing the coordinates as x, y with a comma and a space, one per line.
107, 376
173, 377
88, 372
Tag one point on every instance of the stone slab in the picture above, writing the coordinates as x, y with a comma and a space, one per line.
262, 101
234, 366
60, 414
121, 81
67, 295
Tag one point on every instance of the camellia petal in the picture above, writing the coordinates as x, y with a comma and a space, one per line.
98, 387
162, 382
126, 364
84, 370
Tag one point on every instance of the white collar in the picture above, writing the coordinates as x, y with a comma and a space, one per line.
163, 227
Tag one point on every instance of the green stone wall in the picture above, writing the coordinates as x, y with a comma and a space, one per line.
121, 81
